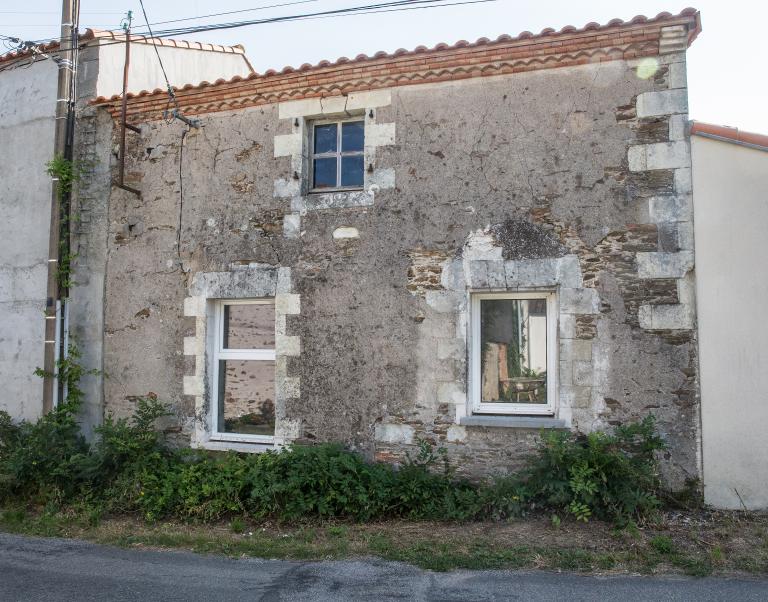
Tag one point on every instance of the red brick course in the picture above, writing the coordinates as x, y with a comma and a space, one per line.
528, 52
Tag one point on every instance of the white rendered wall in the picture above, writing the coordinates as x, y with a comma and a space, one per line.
730, 188
27, 106
183, 66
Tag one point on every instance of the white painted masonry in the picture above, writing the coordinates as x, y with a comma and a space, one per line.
731, 213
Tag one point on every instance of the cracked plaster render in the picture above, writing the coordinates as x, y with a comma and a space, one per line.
519, 147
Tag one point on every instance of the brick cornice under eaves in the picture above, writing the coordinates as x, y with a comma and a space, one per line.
594, 43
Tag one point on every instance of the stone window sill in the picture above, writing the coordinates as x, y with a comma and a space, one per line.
520, 422
236, 446
341, 199
314, 191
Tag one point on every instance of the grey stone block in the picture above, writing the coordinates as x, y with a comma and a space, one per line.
671, 208
495, 275
664, 265
569, 272
664, 102
583, 373
338, 200
532, 273
253, 281
579, 301
575, 349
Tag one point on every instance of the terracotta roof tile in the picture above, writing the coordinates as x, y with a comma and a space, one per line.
729, 134
98, 34
506, 54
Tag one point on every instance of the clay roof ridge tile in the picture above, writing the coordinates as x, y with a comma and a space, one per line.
524, 35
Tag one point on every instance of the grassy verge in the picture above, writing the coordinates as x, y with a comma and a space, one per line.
694, 544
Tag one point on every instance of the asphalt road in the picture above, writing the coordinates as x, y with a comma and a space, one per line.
33, 569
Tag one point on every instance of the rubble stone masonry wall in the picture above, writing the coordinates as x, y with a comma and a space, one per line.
574, 179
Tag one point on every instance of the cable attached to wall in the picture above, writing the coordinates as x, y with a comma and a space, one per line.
175, 113
181, 195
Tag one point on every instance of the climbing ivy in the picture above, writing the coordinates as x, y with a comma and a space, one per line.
67, 172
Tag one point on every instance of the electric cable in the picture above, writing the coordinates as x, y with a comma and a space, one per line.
354, 11
231, 12
341, 11
171, 95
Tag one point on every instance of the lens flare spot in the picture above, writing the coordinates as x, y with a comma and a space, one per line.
647, 68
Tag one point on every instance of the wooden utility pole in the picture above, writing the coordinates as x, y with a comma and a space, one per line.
59, 223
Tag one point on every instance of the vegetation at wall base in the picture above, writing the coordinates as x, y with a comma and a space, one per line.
130, 469
130, 488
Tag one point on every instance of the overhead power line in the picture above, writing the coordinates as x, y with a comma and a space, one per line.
246, 23
395, 6
231, 12
341, 11
159, 60
50, 12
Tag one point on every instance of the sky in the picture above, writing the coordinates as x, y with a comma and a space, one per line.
727, 64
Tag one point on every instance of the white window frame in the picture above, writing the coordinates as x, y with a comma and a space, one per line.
338, 154
538, 409
219, 353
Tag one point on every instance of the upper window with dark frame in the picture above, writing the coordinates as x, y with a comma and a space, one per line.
337, 155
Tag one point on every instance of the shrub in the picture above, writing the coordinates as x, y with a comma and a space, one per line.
129, 468
42, 460
662, 544
608, 475
323, 480
426, 488
126, 445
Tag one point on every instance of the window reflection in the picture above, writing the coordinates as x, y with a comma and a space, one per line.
513, 356
249, 326
325, 138
247, 397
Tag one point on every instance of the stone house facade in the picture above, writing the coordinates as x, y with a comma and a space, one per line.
465, 244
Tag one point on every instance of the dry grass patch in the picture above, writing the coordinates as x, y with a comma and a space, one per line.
700, 543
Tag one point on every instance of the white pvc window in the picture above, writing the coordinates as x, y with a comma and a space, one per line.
513, 353
338, 161
243, 374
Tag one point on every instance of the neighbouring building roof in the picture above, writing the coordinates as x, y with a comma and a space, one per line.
729, 134
90, 35
617, 39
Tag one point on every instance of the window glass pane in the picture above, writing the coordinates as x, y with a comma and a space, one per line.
513, 352
249, 326
352, 171
325, 173
325, 138
352, 136
247, 397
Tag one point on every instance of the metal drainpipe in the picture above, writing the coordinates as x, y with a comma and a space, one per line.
59, 222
